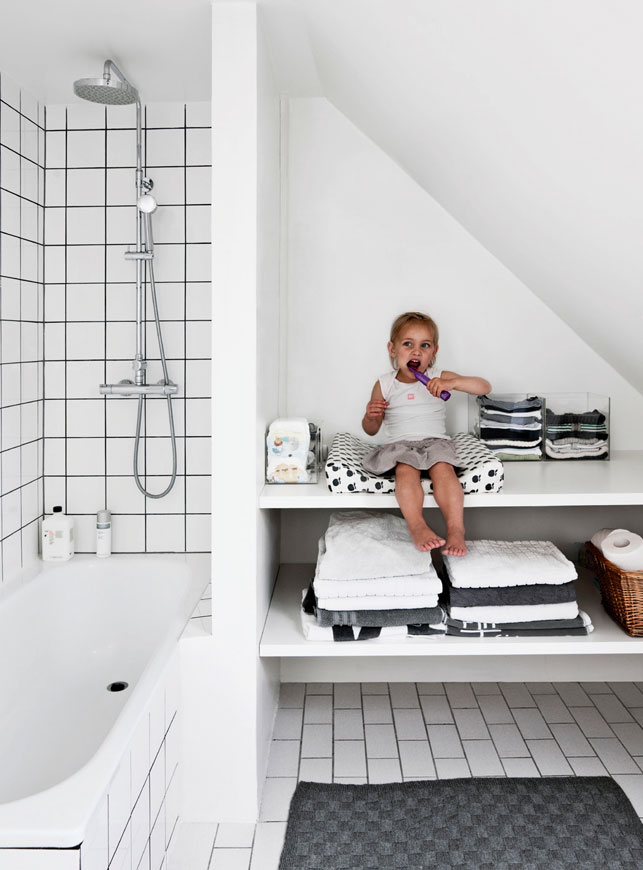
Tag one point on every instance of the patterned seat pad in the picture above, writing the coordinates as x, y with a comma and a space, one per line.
480, 470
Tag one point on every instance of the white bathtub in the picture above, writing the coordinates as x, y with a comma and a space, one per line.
64, 636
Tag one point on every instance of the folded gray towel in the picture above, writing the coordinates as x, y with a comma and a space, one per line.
540, 593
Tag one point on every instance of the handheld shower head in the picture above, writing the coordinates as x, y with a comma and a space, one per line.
146, 204
107, 90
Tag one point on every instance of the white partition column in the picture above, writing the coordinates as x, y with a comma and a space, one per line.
245, 172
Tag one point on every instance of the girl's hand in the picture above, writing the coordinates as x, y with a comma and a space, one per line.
437, 385
375, 409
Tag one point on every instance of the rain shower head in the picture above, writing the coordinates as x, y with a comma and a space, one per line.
107, 90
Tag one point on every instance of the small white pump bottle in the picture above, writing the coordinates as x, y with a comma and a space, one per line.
57, 537
103, 533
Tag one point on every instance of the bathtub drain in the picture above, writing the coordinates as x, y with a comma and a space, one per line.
118, 686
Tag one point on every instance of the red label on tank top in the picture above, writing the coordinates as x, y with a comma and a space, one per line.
410, 395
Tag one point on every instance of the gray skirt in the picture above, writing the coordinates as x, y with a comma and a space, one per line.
419, 454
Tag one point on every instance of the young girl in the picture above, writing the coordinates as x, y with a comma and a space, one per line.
414, 419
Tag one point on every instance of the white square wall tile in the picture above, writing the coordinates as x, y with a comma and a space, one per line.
119, 803
165, 147
56, 152
85, 302
121, 148
165, 534
55, 179
85, 116
83, 378
169, 185
119, 455
85, 341
173, 502
172, 806
93, 851
128, 534
164, 115
121, 186
85, 456
121, 225
85, 495
85, 264
198, 223
86, 225
198, 185
199, 147
85, 148
157, 784
123, 497
85, 187
140, 826
198, 114
199, 533
169, 224
140, 754
199, 262
157, 721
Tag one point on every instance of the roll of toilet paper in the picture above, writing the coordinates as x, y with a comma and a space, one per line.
599, 536
624, 549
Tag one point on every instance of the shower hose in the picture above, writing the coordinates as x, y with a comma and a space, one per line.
166, 380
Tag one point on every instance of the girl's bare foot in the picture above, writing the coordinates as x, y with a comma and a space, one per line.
455, 545
425, 538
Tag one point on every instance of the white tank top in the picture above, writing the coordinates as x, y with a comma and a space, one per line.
413, 413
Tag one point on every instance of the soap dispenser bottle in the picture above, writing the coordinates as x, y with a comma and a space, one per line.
57, 537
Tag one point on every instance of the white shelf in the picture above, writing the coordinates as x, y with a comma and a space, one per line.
618, 481
282, 634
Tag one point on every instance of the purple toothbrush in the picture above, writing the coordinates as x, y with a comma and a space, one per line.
445, 395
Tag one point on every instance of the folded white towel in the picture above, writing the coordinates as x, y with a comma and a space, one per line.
427, 583
509, 563
516, 612
360, 545
378, 602
415, 584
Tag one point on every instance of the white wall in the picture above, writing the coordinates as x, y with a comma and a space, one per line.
517, 118
366, 243
245, 352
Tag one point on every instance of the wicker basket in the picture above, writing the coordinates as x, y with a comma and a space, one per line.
621, 591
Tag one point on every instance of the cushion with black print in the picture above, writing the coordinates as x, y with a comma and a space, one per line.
479, 469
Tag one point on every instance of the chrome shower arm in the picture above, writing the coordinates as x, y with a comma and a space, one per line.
109, 67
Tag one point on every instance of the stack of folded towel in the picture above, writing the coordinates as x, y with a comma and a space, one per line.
370, 582
512, 429
512, 588
576, 436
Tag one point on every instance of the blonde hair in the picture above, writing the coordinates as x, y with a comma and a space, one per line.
410, 317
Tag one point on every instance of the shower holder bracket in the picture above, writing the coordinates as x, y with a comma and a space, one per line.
139, 255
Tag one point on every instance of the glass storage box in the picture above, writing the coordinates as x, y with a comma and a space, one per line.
285, 462
509, 424
577, 426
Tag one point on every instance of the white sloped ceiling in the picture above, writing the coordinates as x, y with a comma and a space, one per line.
524, 120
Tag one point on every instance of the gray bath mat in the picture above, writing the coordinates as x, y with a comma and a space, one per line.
553, 823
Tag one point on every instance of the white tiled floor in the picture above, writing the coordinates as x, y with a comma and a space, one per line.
383, 732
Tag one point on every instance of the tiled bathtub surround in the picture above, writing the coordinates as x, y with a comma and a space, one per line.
22, 142
90, 322
136, 818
